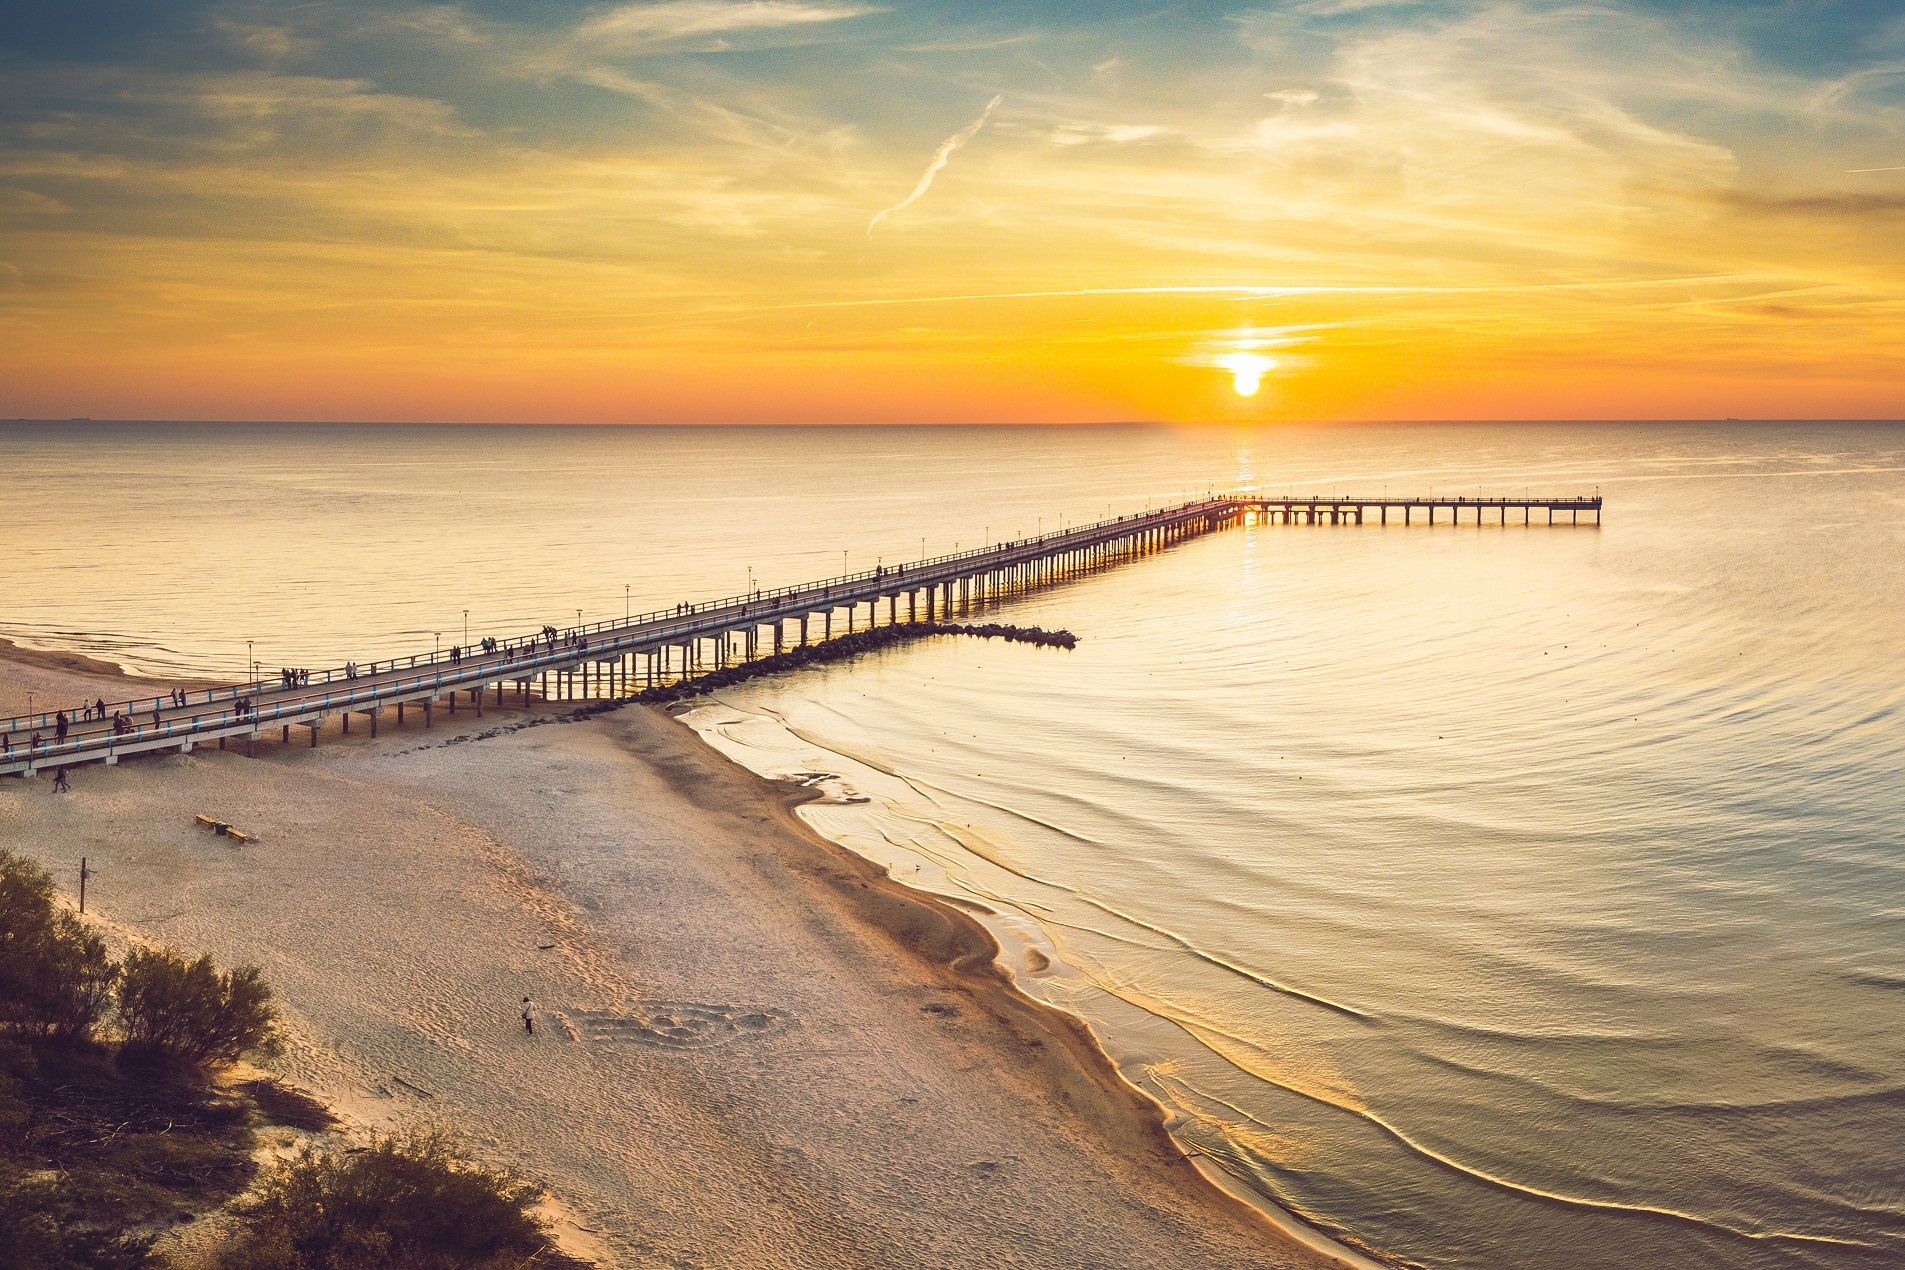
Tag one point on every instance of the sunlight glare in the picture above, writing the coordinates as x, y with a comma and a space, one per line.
1247, 371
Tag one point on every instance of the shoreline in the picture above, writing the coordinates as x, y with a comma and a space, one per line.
1026, 1046
977, 951
1012, 949
1100, 1059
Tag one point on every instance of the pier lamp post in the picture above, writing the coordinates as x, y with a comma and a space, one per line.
625, 609
466, 628
438, 636
250, 665
843, 564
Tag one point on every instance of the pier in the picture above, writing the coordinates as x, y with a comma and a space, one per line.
619, 658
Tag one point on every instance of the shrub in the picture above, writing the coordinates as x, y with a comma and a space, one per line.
403, 1202
43, 1226
187, 1011
55, 977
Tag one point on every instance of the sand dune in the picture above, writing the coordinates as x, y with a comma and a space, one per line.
752, 1050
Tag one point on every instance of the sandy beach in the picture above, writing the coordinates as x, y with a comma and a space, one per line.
752, 1048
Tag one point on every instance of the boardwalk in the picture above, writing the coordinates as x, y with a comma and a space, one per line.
618, 658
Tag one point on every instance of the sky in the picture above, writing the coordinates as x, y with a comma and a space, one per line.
783, 211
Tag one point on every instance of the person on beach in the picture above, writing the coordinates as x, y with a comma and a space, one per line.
59, 781
529, 1017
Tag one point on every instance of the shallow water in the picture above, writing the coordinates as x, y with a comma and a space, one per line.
1491, 896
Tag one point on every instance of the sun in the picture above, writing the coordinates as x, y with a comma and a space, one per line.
1246, 371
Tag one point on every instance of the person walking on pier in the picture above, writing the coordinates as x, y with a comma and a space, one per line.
99, 708
60, 725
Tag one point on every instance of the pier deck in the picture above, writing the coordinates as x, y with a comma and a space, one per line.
619, 658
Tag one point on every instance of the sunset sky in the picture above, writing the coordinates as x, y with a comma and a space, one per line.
822, 210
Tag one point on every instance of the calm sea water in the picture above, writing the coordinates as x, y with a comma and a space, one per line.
1488, 897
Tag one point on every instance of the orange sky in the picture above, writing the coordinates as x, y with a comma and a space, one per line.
672, 212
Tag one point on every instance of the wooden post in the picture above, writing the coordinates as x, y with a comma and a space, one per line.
84, 873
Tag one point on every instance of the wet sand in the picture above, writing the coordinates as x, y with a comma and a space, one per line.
752, 1048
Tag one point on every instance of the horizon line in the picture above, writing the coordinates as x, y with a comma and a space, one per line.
976, 423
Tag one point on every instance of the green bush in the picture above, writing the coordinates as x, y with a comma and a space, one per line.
55, 977
189, 1012
43, 1226
402, 1203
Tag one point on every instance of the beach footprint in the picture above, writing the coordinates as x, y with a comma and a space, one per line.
684, 1024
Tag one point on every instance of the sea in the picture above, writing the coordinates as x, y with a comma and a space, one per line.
1476, 896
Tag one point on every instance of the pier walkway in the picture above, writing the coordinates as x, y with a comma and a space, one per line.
607, 659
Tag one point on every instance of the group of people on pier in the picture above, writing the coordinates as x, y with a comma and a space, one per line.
294, 678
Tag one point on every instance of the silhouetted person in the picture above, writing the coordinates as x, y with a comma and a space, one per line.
59, 725
529, 1017
59, 781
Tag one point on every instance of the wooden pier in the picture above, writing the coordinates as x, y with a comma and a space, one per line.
612, 659
1342, 510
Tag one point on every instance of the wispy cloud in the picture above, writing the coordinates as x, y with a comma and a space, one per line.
940, 158
1079, 134
637, 26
